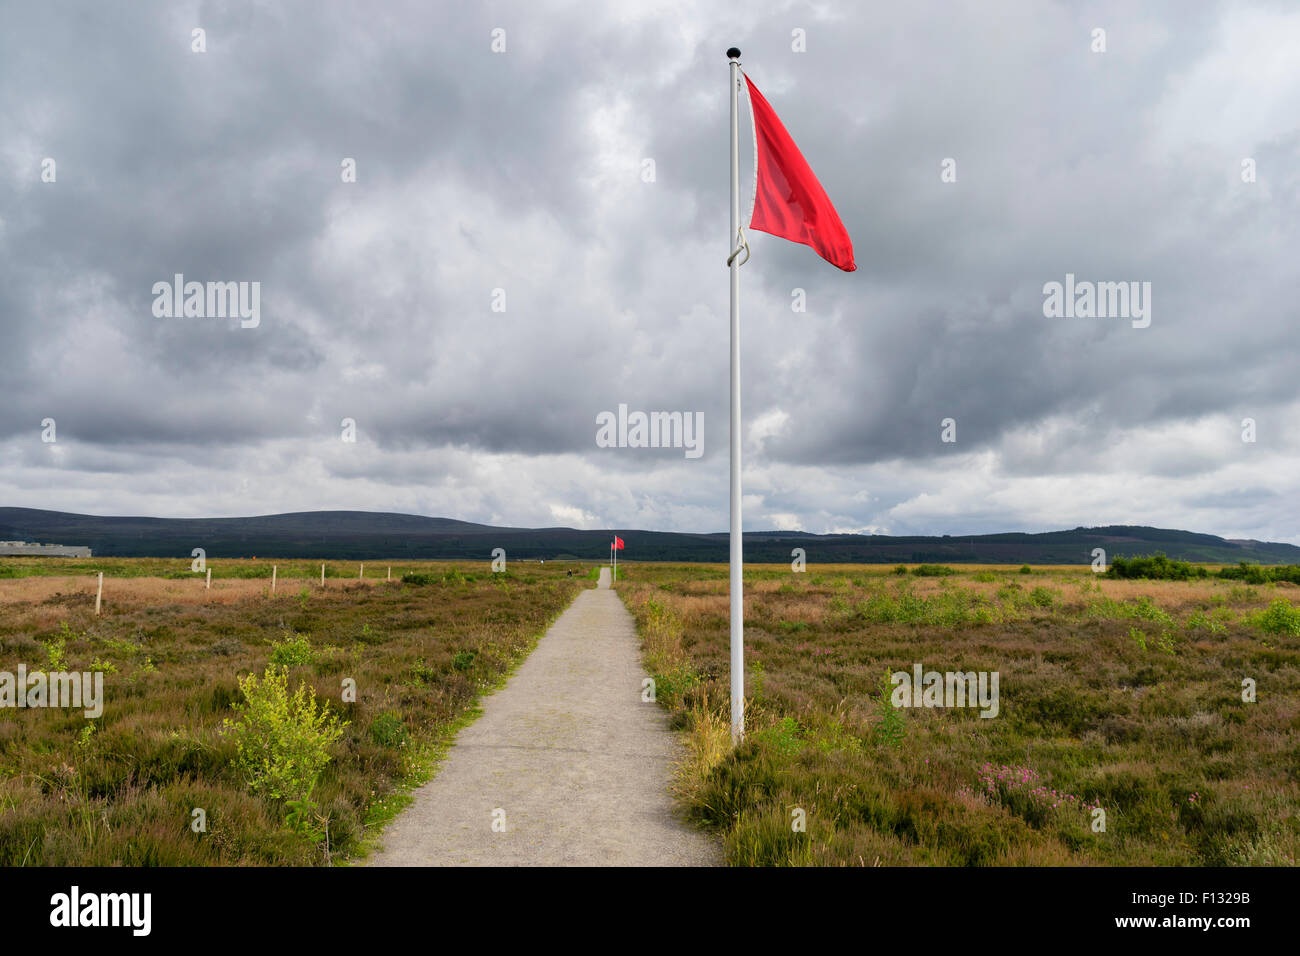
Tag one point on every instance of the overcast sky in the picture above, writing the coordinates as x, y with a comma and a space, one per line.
524, 171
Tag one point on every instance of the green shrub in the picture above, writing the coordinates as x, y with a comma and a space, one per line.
422, 672
932, 571
1200, 621
418, 578
1147, 610
1143, 609
282, 742
368, 636
387, 730
464, 660
1280, 617
54, 651
891, 729
900, 569
672, 685
1258, 574
293, 652
1026, 569
1156, 567
1250, 573
1042, 597
783, 737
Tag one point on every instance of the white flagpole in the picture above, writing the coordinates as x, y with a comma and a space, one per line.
737, 548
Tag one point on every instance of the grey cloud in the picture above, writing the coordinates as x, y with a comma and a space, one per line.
478, 171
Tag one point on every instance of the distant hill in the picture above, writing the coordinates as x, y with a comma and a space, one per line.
361, 535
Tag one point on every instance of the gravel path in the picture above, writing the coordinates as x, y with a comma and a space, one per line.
567, 758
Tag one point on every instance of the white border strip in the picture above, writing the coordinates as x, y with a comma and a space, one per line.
753, 132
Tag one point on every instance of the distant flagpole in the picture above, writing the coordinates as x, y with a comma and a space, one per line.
736, 243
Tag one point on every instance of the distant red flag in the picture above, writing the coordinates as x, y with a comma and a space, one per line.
618, 543
788, 200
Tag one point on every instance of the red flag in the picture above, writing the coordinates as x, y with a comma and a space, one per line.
618, 543
788, 200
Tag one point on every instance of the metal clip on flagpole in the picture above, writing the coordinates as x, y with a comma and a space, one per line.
743, 247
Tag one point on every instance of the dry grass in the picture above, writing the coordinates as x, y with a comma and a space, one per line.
171, 652
1122, 693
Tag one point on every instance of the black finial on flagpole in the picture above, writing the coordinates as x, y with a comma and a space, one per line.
733, 54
